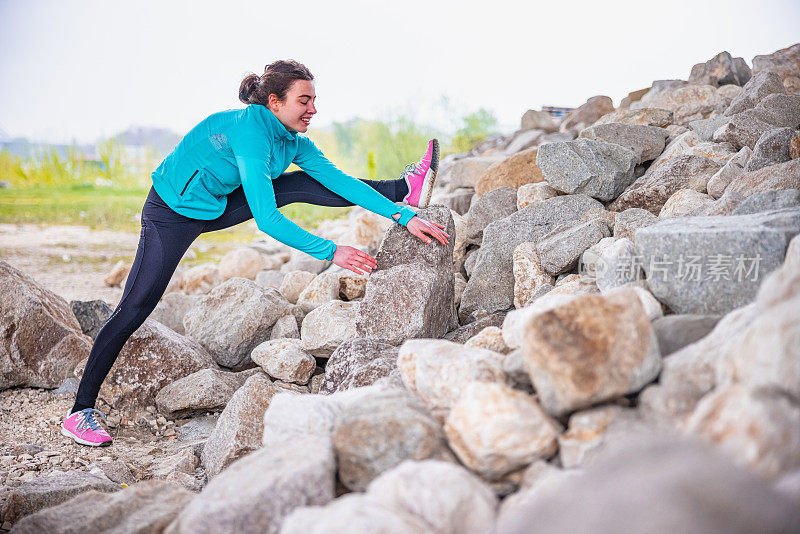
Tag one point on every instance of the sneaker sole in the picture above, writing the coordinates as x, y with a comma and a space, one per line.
430, 177
69, 434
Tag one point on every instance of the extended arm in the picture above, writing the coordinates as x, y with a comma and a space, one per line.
310, 159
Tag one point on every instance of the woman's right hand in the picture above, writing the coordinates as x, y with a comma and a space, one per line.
353, 259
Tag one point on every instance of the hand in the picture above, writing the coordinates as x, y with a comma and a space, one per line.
353, 259
421, 227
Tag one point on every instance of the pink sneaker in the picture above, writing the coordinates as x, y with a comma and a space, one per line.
85, 428
421, 175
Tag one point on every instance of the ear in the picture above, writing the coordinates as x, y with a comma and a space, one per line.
274, 102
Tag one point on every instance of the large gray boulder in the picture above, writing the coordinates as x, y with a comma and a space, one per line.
40, 339
491, 284
609, 497
491, 206
711, 265
754, 91
771, 148
148, 506
721, 69
381, 431
233, 318
240, 427
203, 391
745, 128
411, 292
647, 142
358, 362
152, 358
51, 490
595, 168
256, 493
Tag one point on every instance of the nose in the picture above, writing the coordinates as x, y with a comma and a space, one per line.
312, 109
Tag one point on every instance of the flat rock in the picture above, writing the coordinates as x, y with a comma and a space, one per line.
646, 142
202, 391
357, 363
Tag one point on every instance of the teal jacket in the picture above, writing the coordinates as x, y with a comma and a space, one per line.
250, 147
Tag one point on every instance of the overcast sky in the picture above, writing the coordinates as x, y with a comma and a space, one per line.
86, 69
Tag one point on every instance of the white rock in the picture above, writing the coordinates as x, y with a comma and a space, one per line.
328, 326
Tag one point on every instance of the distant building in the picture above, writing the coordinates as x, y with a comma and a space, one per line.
555, 111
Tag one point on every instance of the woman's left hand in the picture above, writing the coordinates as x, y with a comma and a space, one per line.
422, 229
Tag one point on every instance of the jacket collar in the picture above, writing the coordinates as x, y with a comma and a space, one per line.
271, 123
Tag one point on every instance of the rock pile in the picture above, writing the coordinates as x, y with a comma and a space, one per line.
620, 303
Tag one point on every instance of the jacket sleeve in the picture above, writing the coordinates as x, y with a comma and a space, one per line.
310, 159
257, 186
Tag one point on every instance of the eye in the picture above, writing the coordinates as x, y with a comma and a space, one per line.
304, 102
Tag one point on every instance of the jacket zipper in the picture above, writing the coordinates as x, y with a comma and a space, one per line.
187, 183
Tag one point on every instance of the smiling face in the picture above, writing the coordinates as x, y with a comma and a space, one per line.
296, 110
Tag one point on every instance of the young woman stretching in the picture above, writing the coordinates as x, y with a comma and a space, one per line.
229, 169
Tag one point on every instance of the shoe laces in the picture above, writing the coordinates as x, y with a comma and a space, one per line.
411, 168
89, 419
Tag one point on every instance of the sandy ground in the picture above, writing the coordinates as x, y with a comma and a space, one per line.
71, 261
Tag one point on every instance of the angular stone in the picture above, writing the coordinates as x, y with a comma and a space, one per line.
91, 315
285, 327
515, 171
490, 338
240, 427
589, 350
381, 431
235, 317
784, 62
357, 363
531, 193
148, 506
352, 286
771, 148
628, 221
761, 85
618, 266
394, 310
203, 391
329, 326
50, 490
652, 190
140, 371
684, 202
171, 310
586, 115
720, 70
704, 128
732, 254
478, 323
491, 286
256, 493
529, 275
729, 172
437, 371
758, 429
41, 338
768, 201
775, 177
745, 128
492, 206
607, 498
646, 142
638, 117
285, 360
495, 430
559, 251
675, 332
294, 283
323, 288
596, 168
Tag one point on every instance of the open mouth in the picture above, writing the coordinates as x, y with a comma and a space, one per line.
305, 120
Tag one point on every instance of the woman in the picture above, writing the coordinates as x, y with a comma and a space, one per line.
226, 170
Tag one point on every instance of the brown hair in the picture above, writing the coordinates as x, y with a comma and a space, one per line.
277, 78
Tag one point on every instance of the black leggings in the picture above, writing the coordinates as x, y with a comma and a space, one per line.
165, 238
